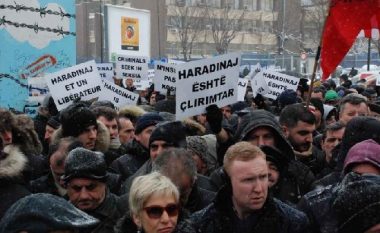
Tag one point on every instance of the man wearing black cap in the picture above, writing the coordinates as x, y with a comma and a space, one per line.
166, 135
51, 126
77, 120
85, 179
136, 152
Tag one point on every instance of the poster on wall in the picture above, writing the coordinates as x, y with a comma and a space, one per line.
124, 34
130, 33
37, 37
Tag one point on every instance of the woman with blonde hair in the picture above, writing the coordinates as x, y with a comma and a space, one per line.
154, 207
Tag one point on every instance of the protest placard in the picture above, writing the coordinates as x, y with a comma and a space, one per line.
80, 81
205, 82
38, 89
117, 95
150, 73
277, 82
132, 67
142, 84
106, 71
242, 88
165, 76
259, 85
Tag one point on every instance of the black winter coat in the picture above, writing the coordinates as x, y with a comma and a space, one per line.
317, 205
275, 216
135, 155
44, 184
108, 213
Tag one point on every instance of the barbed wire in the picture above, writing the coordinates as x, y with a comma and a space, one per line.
36, 27
42, 10
14, 79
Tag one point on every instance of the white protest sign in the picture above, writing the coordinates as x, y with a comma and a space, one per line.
259, 85
175, 62
142, 84
242, 88
165, 76
277, 82
135, 68
150, 73
38, 89
117, 95
80, 81
254, 71
205, 82
106, 71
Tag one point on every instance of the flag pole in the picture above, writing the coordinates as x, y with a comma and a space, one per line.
369, 53
316, 62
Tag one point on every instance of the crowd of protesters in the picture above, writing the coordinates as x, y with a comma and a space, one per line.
256, 166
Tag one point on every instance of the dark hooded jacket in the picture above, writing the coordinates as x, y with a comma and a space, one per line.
44, 184
12, 164
296, 178
135, 155
275, 216
317, 204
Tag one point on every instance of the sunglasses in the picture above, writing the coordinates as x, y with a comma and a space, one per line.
157, 211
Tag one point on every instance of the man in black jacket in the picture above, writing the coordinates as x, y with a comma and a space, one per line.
243, 205
85, 179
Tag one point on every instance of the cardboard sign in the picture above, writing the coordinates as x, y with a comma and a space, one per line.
259, 85
205, 82
135, 68
117, 95
277, 82
80, 81
165, 77
242, 88
106, 71
142, 85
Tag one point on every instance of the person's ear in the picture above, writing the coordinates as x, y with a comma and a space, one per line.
285, 130
136, 220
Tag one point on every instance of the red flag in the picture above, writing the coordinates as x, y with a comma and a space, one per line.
345, 21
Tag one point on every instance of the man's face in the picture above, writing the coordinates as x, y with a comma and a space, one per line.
227, 112
318, 95
88, 137
7, 136
300, 136
332, 139
143, 137
86, 194
249, 181
157, 147
57, 162
350, 111
111, 126
262, 135
48, 133
126, 131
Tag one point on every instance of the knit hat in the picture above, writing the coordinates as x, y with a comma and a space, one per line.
198, 145
367, 151
83, 163
76, 118
44, 212
146, 120
287, 97
172, 132
275, 156
167, 105
331, 95
54, 122
357, 206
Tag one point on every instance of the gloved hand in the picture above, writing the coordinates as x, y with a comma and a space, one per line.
214, 117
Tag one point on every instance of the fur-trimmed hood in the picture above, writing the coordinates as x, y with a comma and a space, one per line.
14, 162
102, 140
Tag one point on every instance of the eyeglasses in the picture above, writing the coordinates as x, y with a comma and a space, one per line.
157, 211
